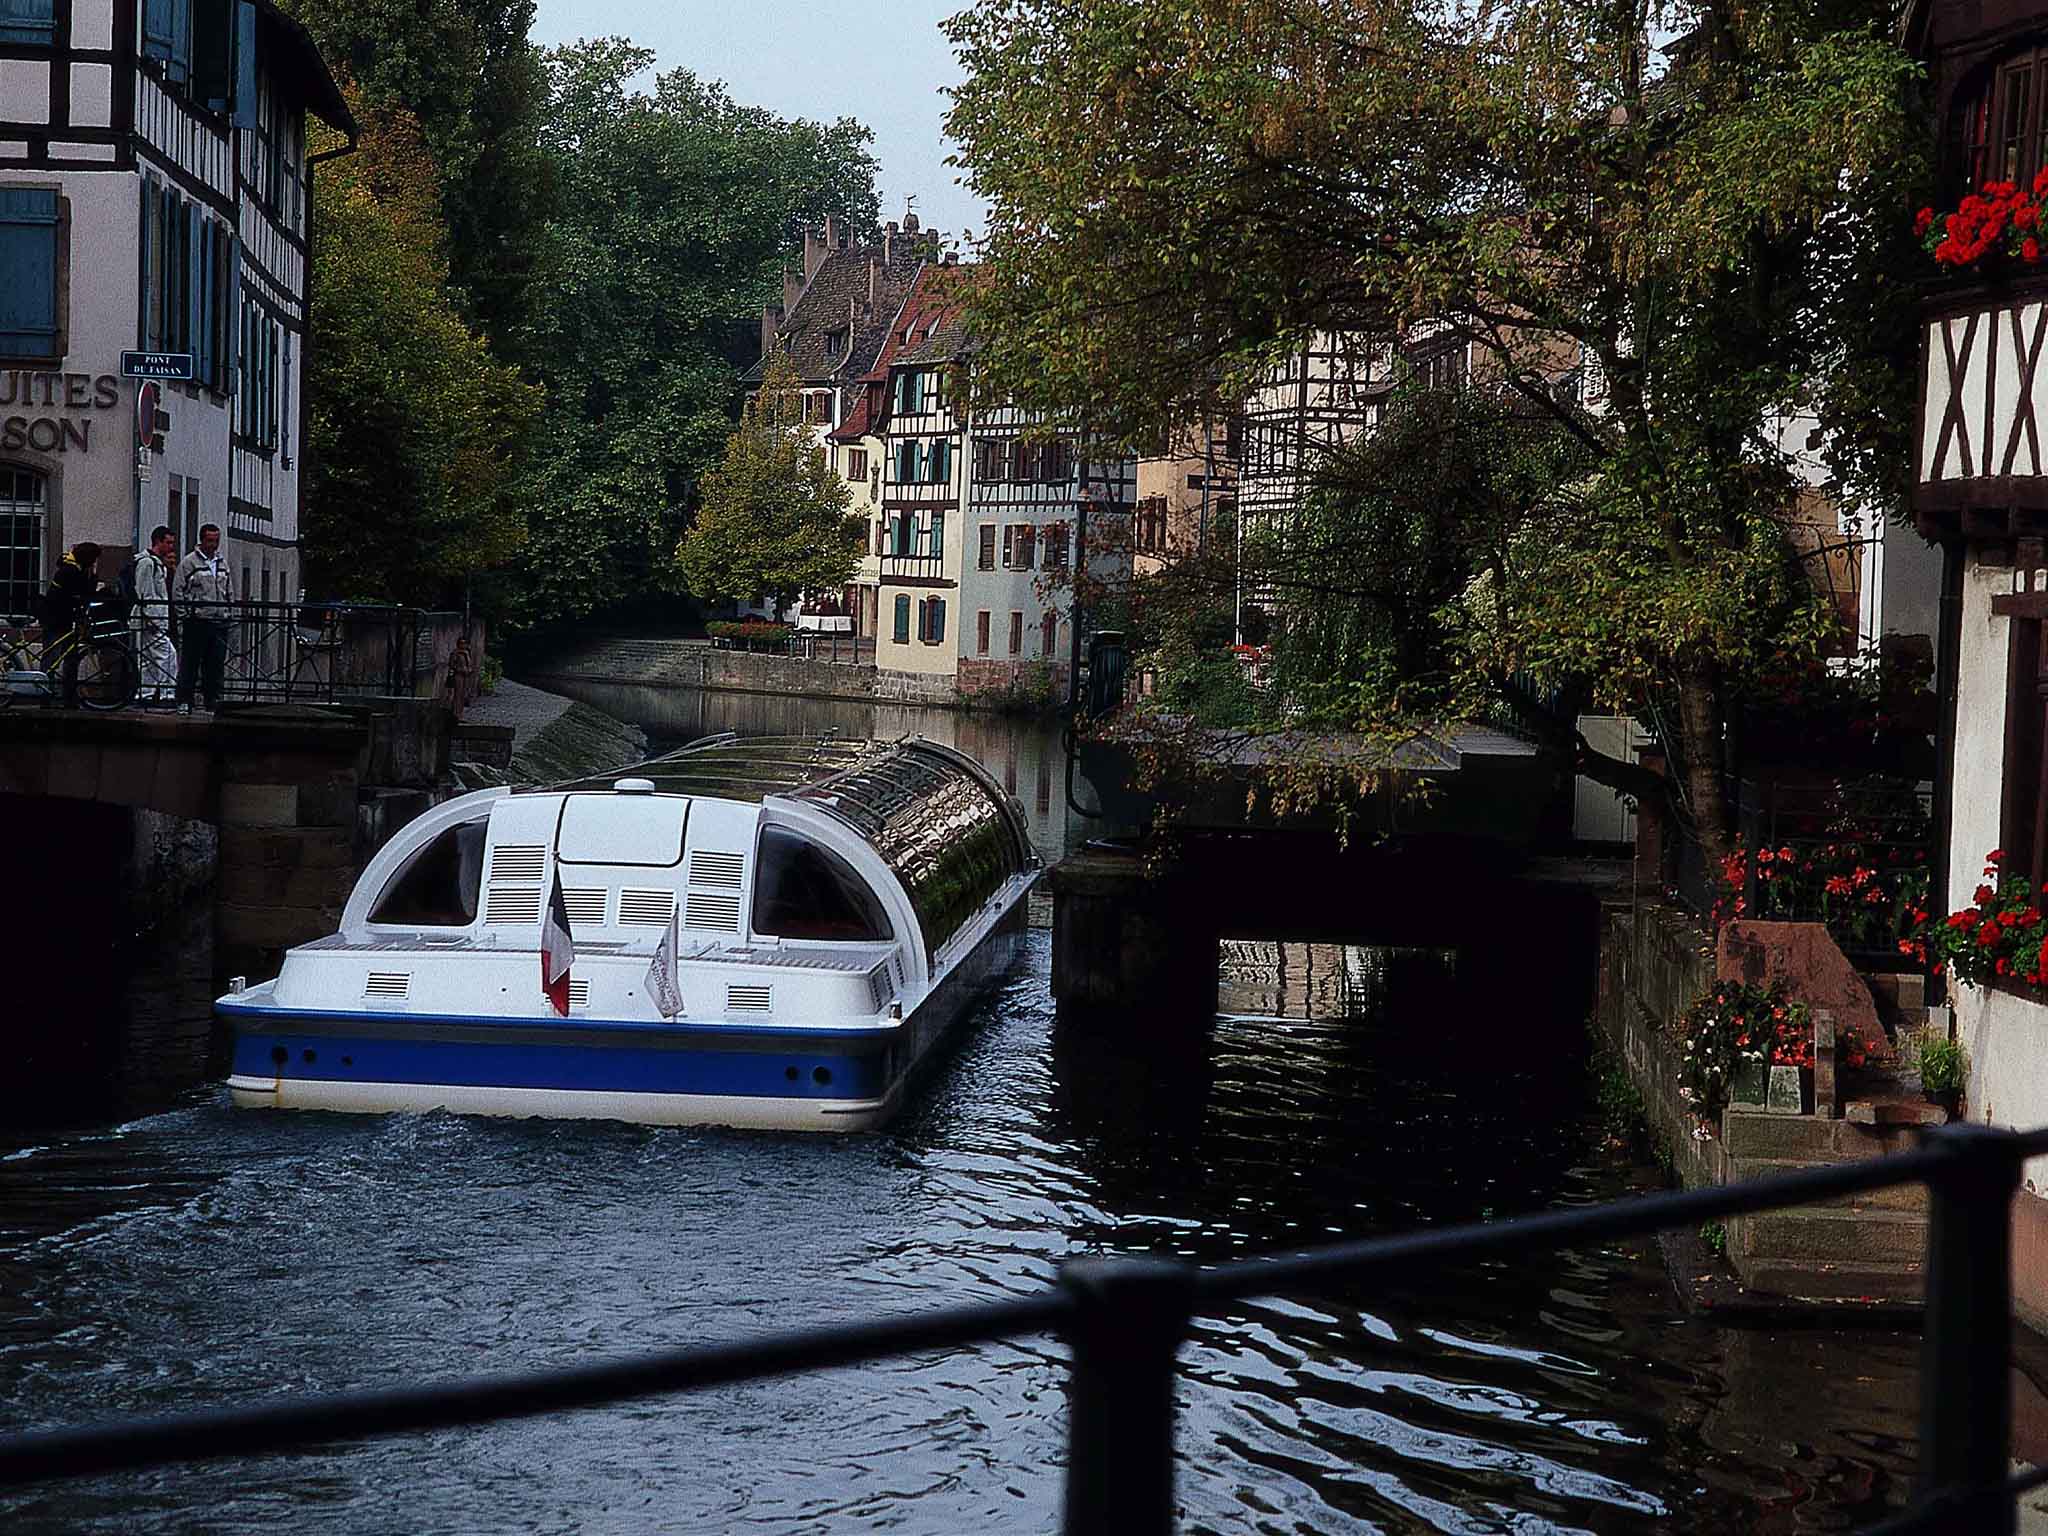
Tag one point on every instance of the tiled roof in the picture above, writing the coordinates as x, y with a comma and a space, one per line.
934, 324
835, 302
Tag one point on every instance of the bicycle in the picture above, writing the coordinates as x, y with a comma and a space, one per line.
98, 654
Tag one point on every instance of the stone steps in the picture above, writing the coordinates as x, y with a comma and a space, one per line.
1834, 1282
1901, 1197
1832, 1235
1757, 1133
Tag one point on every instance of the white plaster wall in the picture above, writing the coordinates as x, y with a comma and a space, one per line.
92, 492
25, 87
92, 24
92, 94
2006, 1037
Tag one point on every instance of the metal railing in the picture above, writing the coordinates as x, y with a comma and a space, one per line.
318, 653
1125, 1319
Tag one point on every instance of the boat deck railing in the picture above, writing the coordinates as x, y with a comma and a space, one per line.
1124, 1321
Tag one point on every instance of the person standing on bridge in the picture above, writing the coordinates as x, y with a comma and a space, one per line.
153, 616
65, 607
203, 589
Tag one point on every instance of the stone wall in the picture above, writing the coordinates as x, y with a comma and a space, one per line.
1653, 963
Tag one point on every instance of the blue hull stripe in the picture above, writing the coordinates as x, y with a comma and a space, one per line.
270, 1016
798, 1073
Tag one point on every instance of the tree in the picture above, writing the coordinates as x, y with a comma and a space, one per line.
411, 422
468, 72
676, 215
774, 521
1181, 189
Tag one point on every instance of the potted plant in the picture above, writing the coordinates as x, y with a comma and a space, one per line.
1943, 1069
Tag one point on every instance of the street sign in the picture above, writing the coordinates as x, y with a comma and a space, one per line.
156, 365
146, 396
142, 465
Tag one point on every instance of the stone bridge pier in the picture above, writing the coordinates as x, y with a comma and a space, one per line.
299, 794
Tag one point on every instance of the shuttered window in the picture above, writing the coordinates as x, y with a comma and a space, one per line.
167, 37
938, 534
941, 461
28, 21
987, 559
1016, 633
28, 272
981, 633
903, 619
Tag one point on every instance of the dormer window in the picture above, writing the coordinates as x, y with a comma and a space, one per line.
835, 343
1998, 122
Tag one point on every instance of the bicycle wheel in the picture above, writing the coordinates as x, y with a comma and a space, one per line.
107, 675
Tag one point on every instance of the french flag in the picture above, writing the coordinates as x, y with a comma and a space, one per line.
557, 948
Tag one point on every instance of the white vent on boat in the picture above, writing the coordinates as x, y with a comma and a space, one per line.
579, 993
881, 986
651, 908
711, 868
585, 904
744, 997
518, 861
387, 984
512, 904
712, 909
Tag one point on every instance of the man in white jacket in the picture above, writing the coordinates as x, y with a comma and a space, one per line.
204, 592
153, 616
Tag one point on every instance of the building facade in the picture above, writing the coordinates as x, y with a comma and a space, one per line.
1981, 493
154, 195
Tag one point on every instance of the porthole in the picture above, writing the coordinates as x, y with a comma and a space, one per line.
821, 1075
790, 1073
308, 1057
280, 1055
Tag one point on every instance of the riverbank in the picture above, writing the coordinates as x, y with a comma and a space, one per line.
700, 665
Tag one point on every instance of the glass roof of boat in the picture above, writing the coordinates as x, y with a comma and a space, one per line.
942, 824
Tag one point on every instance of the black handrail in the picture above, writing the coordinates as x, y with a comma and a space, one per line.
1124, 1320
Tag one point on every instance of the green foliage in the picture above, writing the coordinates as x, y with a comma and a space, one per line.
467, 71
411, 422
1714, 1238
774, 521
675, 210
1943, 1066
1711, 232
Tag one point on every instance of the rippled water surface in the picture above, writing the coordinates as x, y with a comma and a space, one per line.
201, 1256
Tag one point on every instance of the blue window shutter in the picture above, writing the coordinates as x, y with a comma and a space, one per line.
28, 271
938, 534
938, 613
245, 66
159, 29
195, 284
28, 21
902, 619
202, 343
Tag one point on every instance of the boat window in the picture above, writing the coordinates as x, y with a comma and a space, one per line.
438, 887
641, 830
803, 891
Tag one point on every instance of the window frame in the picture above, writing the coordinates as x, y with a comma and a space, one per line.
1985, 146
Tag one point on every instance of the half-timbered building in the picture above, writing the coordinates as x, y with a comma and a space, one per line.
836, 316
154, 194
1980, 490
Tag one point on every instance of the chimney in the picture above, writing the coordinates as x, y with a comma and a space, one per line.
952, 258
888, 240
834, 235
792, 288
815, 247
771, 322
910, 225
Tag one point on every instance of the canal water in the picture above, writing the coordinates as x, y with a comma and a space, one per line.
160, 1252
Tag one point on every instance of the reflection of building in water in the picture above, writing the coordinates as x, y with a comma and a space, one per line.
1272, 979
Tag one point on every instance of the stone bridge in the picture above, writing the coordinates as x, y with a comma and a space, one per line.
300, 794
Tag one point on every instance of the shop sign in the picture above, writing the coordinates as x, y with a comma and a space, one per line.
64, 403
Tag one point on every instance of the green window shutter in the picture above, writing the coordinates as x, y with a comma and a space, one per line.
902, 619
28, 271
938, 620
938, 534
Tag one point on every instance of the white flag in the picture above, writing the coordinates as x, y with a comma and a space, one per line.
661, 973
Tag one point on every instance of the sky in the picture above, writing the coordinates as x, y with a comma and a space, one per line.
883, 62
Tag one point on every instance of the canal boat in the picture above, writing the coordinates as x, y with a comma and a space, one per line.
770, 933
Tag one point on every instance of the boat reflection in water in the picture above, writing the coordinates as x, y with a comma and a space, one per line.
837, 902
